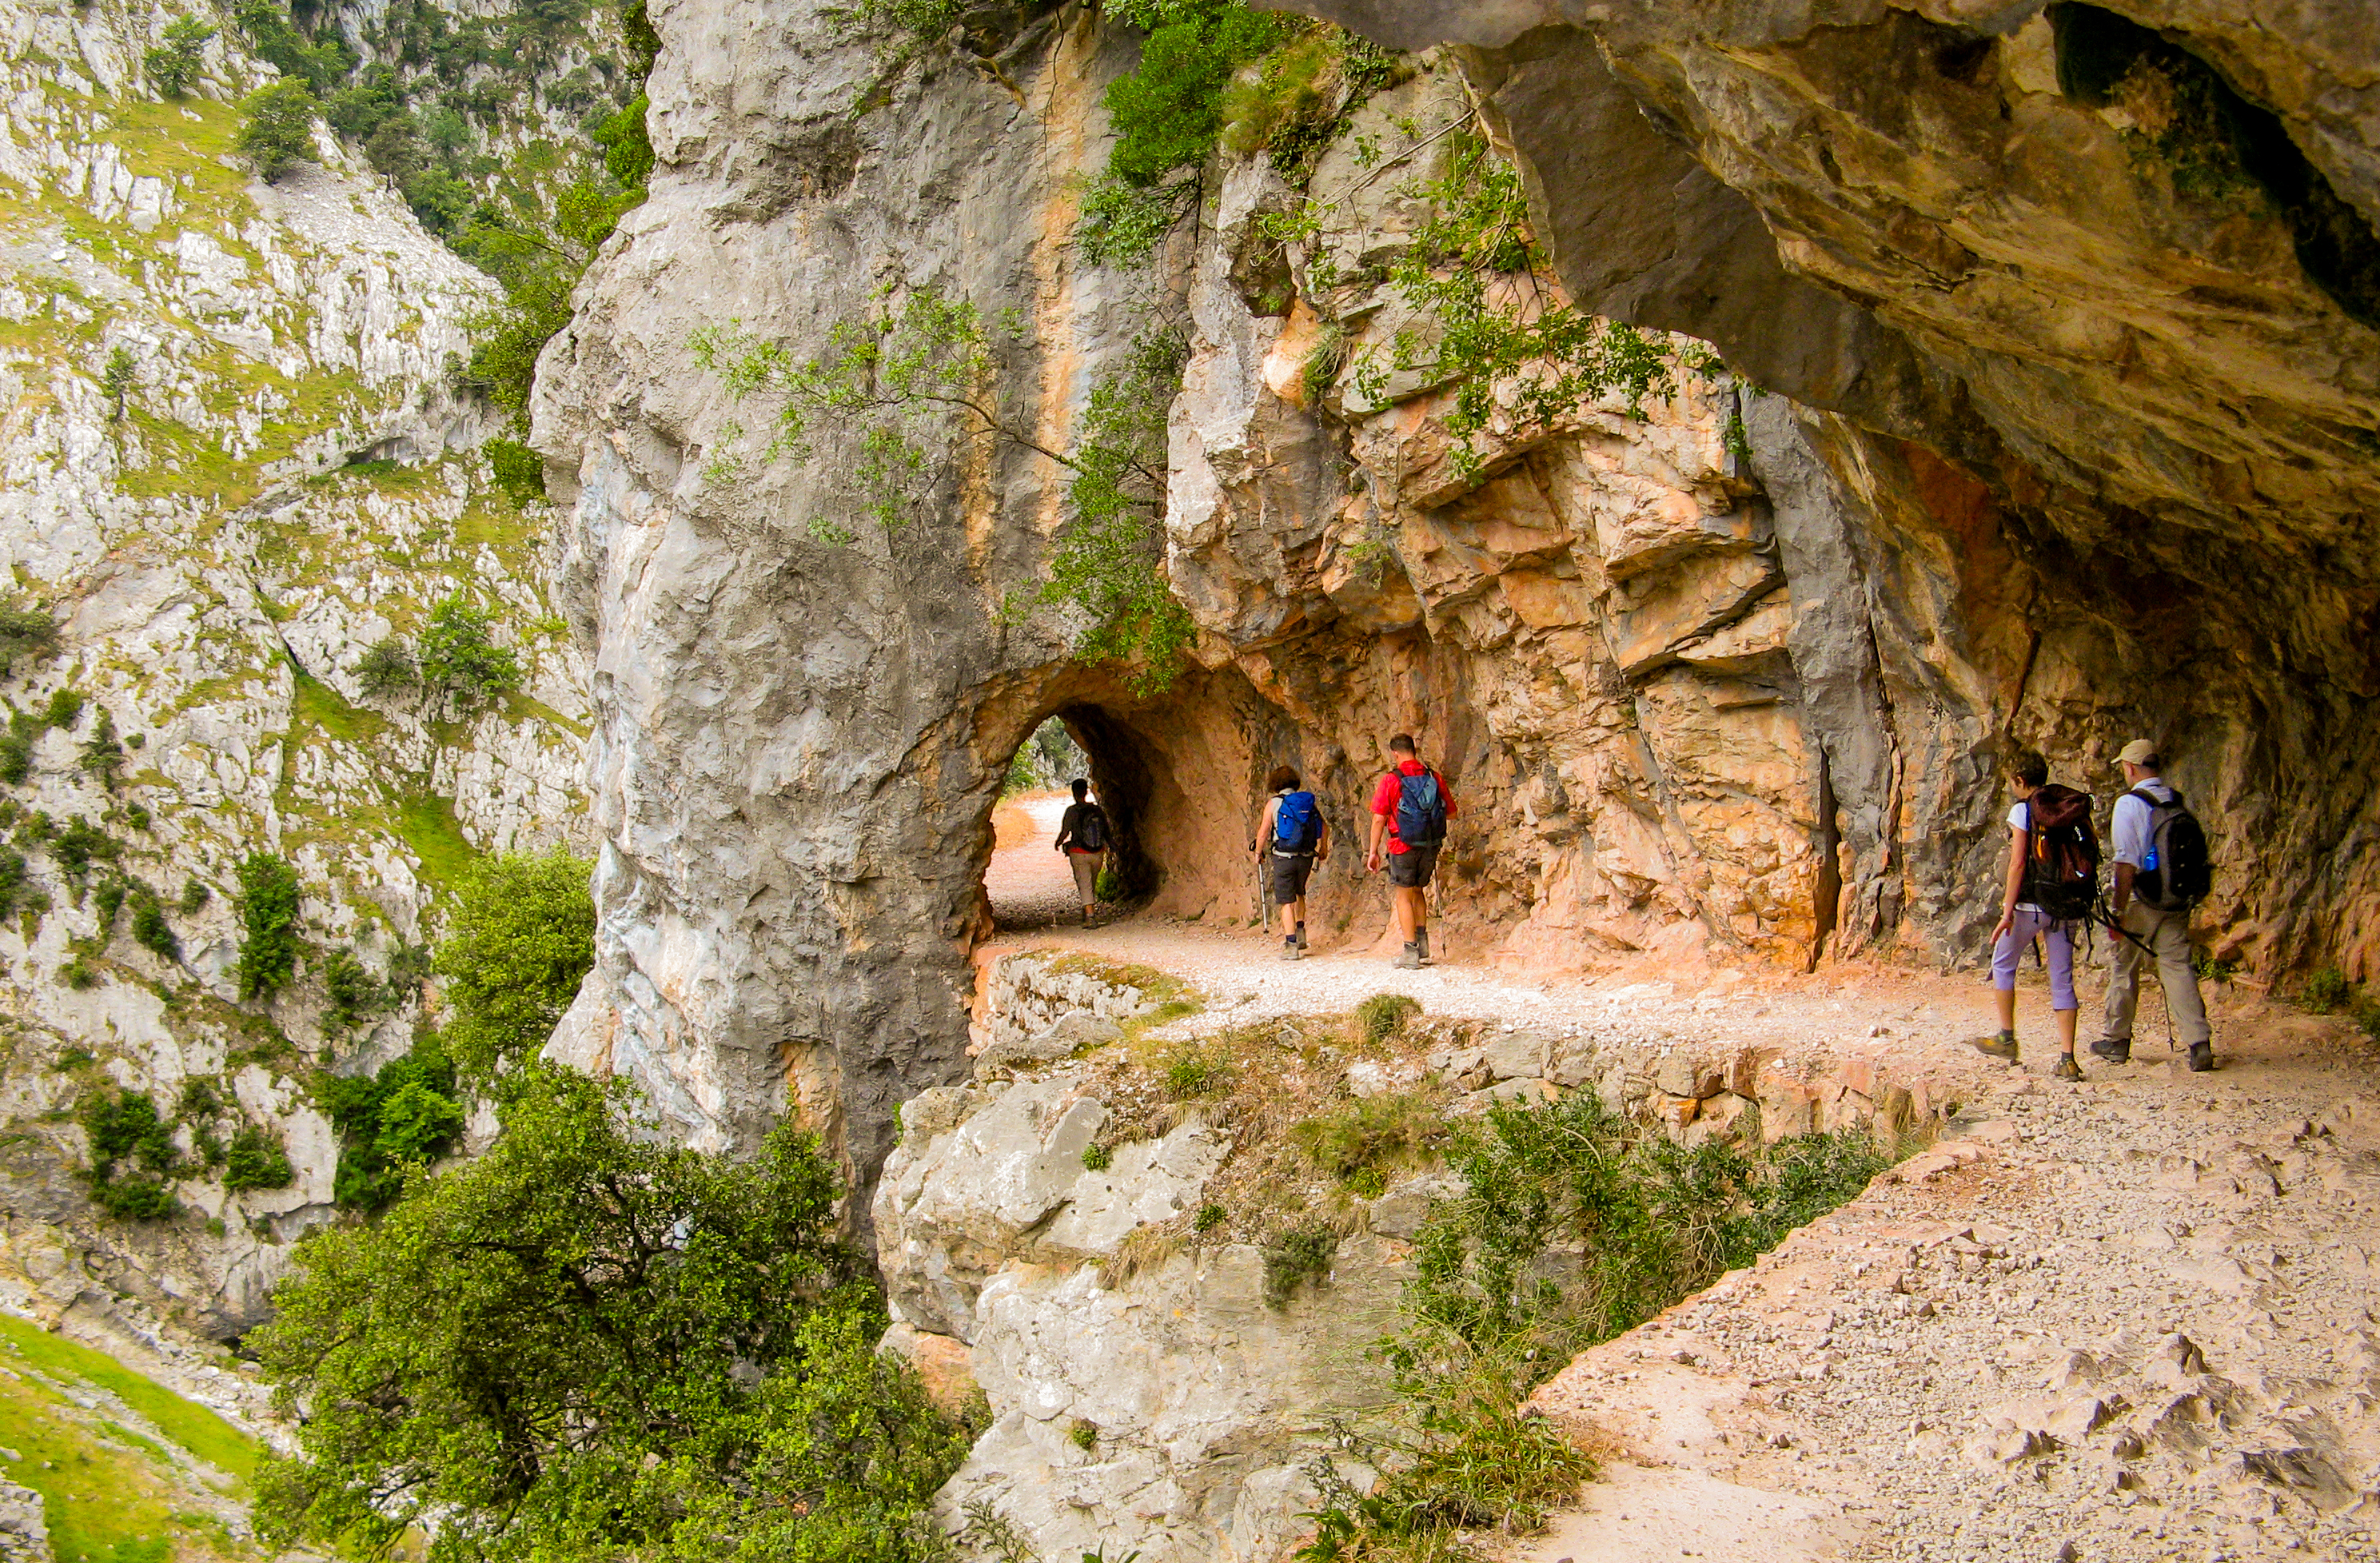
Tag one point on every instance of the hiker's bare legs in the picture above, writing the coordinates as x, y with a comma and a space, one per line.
1411, 910
1293, 917
2065, 1019
2007, 998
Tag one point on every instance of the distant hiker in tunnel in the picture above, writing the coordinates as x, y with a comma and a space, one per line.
1291, 838
2051, 884
1410, 809
2162, 871
1084, 836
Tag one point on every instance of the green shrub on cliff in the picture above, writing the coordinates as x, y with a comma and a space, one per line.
279, 134
592, 1343
521, 936
268, 916
175, 64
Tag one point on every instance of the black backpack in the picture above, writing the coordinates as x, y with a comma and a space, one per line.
1421, 810
2062, 862
2177, 870
1090, 831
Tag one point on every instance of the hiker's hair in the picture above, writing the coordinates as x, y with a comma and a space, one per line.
1080, 787
1402, 744
2030, 768
1283, 779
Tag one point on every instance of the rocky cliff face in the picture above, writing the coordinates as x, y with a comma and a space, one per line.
2082, 304
290, 479
2002, 459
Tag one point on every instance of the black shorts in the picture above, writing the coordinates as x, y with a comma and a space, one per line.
1289, 875
1410, 869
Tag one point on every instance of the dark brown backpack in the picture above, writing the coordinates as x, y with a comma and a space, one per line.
2061, 862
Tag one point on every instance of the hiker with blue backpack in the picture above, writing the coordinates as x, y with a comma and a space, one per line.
1291, 838
2049, 892
1083, 836
2163, 870
1410, 809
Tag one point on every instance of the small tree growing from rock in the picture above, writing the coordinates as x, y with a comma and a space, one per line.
279, 134
117, 380
175, 63
458, 659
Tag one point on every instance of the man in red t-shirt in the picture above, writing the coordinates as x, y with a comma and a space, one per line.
1410, 809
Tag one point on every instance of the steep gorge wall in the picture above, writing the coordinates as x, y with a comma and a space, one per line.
292, 480
1741, 670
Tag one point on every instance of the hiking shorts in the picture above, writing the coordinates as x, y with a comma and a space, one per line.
1412, 868
1085, 866
1289, 876
2057, 945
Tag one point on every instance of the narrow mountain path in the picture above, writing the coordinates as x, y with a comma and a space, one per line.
2128, 1319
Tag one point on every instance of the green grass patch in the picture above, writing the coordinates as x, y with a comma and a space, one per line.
435, 838
114, 1494
316, 705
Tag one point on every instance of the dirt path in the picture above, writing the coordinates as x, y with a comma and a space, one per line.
1029, 885
2124, 1320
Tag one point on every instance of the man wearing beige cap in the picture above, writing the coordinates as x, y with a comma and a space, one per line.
2144, 931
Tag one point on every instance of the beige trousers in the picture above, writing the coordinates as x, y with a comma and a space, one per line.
2167, 934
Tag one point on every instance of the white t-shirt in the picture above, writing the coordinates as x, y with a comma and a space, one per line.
2131, 826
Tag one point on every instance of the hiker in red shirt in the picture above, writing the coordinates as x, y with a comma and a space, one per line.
1410, 809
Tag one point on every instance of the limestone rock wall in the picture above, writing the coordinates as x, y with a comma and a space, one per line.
1738, 668
292, 480
1147, 1392
2091, 358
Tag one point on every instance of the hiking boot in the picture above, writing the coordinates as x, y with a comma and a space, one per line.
2067, 1068
1301, 936
2202, 1058
1288, 949
1408, 959
2112, 1050
1999, 1044
1421, 945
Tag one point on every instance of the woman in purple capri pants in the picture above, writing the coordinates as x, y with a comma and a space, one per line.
2021, 921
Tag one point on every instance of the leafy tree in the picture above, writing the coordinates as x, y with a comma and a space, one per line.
386, 669
521, 936
257, 1160
117, 382
12, 879
519, 471
353, 995
389, 1123
899, 378
628, 144
457, 659
79, 844
268, 915
279, 134
23, 631
175, 64
132, 1155
103, 752
150, 929
278, 43
588, 1343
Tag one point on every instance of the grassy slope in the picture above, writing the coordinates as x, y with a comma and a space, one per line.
137, 1474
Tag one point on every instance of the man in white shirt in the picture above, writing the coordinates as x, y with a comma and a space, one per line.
2142, 932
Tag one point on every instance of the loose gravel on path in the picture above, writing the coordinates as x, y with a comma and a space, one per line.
2128, 1320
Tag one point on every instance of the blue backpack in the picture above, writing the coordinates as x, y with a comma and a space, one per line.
1421, 810
1295, 824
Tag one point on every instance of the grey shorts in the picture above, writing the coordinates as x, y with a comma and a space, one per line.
1412, 868
1289, 876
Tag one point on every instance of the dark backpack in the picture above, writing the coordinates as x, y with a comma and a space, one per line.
1421, 810
1295, 824
2177, 870
2062, 862
1090, 831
